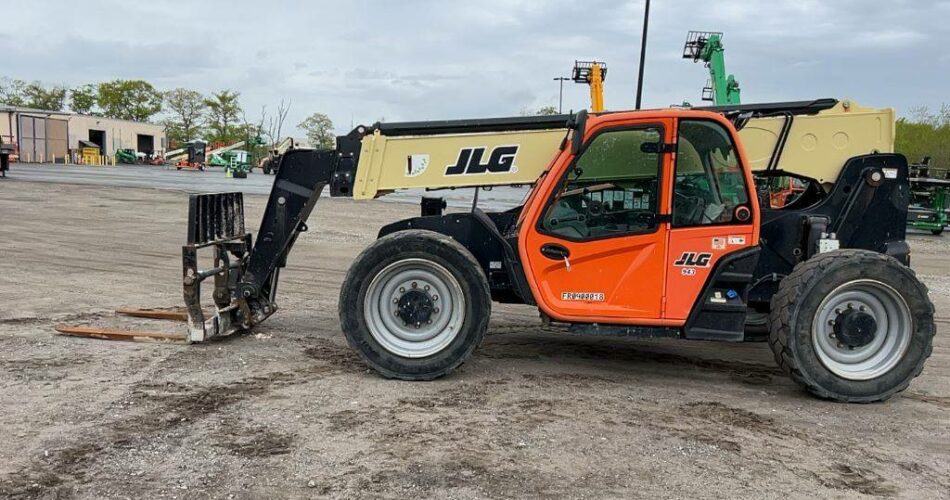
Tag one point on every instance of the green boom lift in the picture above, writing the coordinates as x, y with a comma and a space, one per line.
706, 46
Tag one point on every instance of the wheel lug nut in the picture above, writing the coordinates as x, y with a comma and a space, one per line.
414, 284
837, 310
850, 306
435, 297
840, 345
862, 308
831, 322
395, 301
436, 310
832, 335
402, 290
426, 288
429, 322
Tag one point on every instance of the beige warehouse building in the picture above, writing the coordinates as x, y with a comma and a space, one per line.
48, 136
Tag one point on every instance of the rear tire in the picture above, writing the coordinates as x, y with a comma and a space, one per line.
937, 232
415, 304
852, 326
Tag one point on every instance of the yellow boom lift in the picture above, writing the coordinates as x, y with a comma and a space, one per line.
593, 74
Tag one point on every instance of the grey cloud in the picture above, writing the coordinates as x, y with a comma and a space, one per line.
418, 59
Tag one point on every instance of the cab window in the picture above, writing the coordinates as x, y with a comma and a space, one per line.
709, 184
611, 189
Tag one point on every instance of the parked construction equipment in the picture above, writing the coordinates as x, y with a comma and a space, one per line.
271, 162
5, 151
592, 74
238, 163
639, 223
930, 198
194, 158
706, 46
126, 156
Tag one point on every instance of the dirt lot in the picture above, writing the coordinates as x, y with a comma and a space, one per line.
291, 412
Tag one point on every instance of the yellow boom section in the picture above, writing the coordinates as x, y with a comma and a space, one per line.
819, 145
453, 160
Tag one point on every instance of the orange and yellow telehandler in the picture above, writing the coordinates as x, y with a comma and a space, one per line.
640, 223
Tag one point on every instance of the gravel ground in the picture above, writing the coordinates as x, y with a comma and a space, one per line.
290, 412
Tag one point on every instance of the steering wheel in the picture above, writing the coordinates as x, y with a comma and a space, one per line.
595, 208
692, 207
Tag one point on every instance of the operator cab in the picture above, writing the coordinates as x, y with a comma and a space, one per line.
631, 229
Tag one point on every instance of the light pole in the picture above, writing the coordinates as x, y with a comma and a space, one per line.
643, 52
560, 96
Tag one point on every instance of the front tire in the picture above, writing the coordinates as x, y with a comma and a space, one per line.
415, 304
852, 326
937, 232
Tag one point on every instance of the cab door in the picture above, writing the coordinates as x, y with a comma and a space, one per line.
713, 211
595, 250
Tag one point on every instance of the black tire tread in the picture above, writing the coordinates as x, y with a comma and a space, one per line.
784, 305
398, 239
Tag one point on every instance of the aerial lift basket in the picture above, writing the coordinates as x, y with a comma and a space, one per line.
695, 43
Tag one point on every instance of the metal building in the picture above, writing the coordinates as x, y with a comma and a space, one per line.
53, 136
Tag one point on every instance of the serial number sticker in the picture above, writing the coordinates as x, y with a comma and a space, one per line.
737, 240
718, 243
890, 173
583, 296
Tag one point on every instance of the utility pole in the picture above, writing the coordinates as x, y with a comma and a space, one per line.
560, 96
643, 52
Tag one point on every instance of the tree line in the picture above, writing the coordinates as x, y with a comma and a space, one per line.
219, 117
925, 133
187, 114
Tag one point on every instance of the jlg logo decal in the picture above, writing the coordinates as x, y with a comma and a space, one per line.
502, 160
693, 259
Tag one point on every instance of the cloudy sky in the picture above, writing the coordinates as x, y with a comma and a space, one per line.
359, 61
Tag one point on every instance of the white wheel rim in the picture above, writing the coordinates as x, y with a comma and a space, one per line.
389, 289
891, 336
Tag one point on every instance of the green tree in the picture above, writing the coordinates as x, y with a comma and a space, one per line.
39, 97
224, 110
82, 99
187, 108
129, 100
547, 110
925, 134
319, 129
12, 92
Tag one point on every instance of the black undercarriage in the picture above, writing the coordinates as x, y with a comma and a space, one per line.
865, 209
